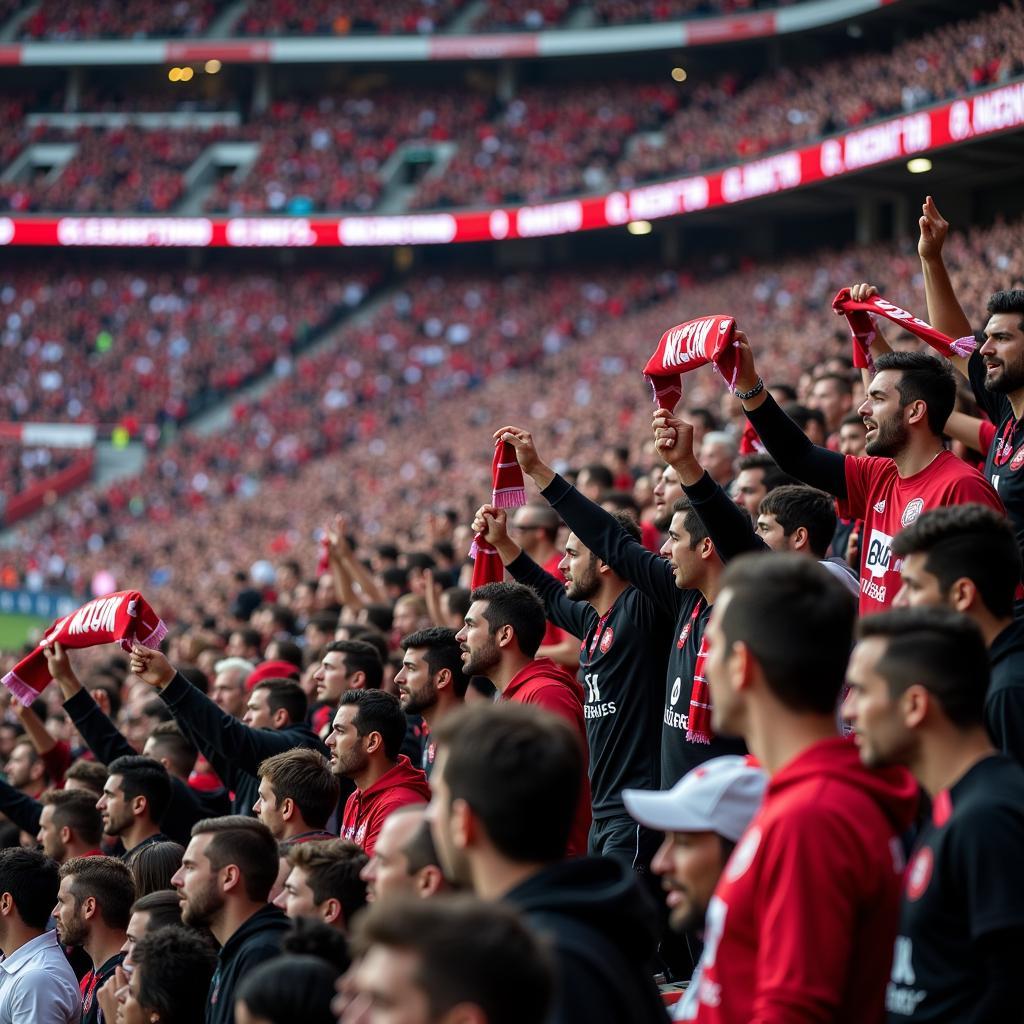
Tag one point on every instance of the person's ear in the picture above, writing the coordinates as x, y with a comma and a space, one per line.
331, 911
287, 808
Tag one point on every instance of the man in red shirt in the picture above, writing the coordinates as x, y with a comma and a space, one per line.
907, 469
500, 638
364, 742
802, 920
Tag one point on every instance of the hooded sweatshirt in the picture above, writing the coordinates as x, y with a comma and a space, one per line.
802, 923
367, 810
603, 929
548, 685
257, 940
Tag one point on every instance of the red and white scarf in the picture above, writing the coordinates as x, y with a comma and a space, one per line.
698, 722
508, 491
687, 346
125, 617
861, 317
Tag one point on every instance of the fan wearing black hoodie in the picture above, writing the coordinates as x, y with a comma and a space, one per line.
235, 750
224, 880
506, 781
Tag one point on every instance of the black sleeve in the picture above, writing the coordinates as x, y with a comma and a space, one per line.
601, 532
98, 731
574, 617
789, 447
218, 734
1004, 717
728, 525
994, 404
1002, 1002
19, 808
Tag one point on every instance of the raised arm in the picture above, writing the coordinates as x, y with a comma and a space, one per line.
787, 444
23, 810
728, 526
571, 616
595, 527
944, 310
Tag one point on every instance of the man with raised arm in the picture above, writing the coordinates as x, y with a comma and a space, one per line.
682, 585
907, 469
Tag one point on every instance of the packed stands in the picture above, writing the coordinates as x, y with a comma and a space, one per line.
331, 18
562, 352
57, 21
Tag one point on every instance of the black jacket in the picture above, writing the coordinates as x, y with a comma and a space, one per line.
103, 739
259, 939
1004, 703
232, 748
603, 928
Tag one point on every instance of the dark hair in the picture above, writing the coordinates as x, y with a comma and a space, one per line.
853, 419
288, 651
543, 517
939, 649
326, 622
163, 907
32, 879
771, 475
250, 637
290, 988
628, 523
156, 708
246, 843
305, 777
1009, 301
90, 773
378, 711
287, 694
154, 865
692, 522
925, 379
332, 869
309, 936
143, 776
706, 416
622, 501
797, 620
459, 600
419, 560
796, 505
368, 633
442, 651
360, 656
396, 576
970, 541
173, 745
464, 947
841, 382
196, 676
175, 969
75, 809
515, 605
600, 472
109, 881
380, 616
520, 769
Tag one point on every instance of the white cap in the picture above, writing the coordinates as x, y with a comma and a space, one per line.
722, 795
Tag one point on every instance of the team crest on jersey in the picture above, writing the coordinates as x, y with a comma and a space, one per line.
920, 873
743, 856
912, 511
606, 640
1018, 460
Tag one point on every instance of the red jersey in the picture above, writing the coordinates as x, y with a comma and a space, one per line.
555, 689
887, 502
802, 923
366, 812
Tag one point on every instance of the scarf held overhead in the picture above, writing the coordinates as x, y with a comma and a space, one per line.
684, 347
508, 491
860, 316
124, 617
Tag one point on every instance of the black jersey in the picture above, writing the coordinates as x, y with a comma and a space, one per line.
622, 665
962, 886
686, 609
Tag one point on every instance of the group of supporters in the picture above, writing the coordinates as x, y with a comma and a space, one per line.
746, 751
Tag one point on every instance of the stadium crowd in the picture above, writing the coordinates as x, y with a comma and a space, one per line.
360, 781
543, 142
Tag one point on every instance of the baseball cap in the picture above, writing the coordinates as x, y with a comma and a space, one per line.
722, 795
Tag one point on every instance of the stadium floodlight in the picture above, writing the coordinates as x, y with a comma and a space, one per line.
679, 74
212, 66
639, 227
919, 165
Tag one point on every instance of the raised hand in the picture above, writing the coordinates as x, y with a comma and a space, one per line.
151, 666
526, 454
934, 228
